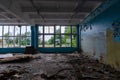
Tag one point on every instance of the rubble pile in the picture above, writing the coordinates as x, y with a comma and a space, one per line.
12, 73
59, 67
90, 69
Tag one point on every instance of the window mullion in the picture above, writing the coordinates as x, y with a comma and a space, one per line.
20, 37
60, 36
26, 35
71, 35
2, 36
14, 36
43, 37
54, 36
8, 35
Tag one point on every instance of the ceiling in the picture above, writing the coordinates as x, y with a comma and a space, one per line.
46, 12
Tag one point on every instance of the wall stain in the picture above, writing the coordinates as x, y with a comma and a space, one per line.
113, 50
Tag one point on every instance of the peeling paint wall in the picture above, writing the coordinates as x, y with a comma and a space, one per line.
94, 42
98, 40
113, 50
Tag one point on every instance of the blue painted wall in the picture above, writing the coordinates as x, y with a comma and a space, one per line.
58, 50
93, 39
12, 50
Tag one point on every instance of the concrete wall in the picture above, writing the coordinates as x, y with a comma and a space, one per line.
98, 40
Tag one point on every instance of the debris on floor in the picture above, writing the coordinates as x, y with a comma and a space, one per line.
16, 58
5, 55
55, 75
90, 69
59, 67
12, 73
30, 50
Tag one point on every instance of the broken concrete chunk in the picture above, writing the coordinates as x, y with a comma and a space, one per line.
5, 55
11, 74
17, 58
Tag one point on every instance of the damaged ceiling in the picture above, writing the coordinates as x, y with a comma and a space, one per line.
46, 12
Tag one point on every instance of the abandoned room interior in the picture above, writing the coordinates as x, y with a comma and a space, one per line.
59, 39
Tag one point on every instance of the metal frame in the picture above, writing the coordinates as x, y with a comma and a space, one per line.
54, 34
12, 36
34, 43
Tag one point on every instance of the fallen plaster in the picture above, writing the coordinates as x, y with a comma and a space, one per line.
58, 67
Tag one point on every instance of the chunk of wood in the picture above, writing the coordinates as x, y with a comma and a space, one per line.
17, 58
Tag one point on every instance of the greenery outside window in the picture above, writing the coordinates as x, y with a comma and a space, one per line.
66, 40
15, 36
57, 36
49, 40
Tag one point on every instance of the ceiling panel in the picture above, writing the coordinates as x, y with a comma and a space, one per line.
45, 12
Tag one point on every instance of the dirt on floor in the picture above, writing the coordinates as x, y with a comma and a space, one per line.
58, 67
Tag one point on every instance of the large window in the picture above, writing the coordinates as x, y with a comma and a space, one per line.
15, 36
48, 36
57, 36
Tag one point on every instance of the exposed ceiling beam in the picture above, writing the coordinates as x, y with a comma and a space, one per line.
1, 10
7, 18
57, 17
54, 9
61, 0
57, 22
74, 20
37, 9
55, 12
51, 24
12, 23
15, 19
78, 8
59, 13
50, 3
13, 7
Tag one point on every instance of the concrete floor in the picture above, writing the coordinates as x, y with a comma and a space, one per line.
65, 66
